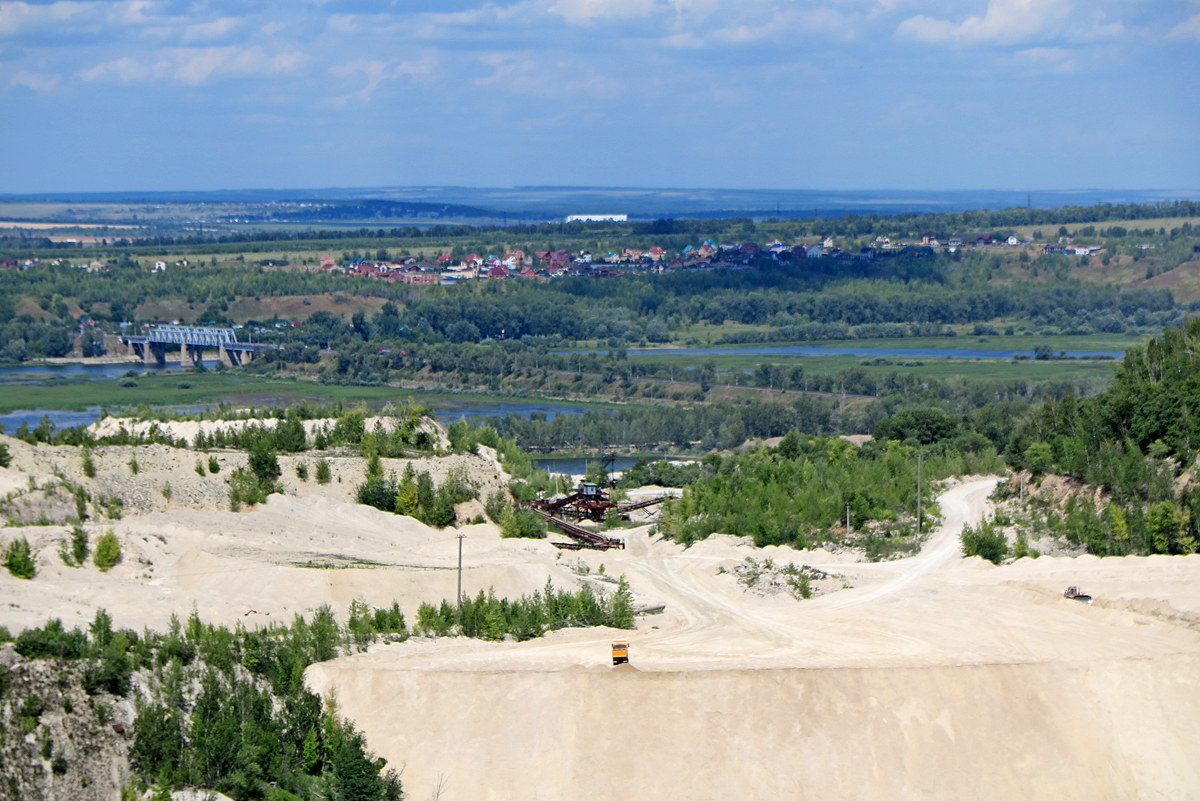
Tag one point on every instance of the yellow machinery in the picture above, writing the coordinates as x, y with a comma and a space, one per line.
620, 652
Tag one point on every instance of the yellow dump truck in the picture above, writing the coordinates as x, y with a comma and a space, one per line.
620, 652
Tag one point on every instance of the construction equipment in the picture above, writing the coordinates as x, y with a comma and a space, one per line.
620, 651
584, 538
1075, 595
629, 507
588, 501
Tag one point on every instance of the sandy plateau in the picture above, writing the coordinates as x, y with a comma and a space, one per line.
932, 677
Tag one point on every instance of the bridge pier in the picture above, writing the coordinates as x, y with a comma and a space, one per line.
195, 353
235, 356
154, 353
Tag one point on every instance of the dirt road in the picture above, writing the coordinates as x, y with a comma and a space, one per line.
932, 677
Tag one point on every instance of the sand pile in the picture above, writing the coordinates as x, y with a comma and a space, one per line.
934, 677
168, 477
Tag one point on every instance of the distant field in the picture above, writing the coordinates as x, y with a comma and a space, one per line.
1026, 370
1050, 232
288, 307
1001, 344
163, 389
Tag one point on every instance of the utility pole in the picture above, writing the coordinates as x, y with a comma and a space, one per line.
918, 495
458, 602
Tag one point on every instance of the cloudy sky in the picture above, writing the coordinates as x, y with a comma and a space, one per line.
828, 94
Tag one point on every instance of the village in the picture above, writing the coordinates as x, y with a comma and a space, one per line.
445, 269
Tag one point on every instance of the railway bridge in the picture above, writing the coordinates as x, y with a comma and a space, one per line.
191, 340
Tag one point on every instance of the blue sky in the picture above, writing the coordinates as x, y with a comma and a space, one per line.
825, 94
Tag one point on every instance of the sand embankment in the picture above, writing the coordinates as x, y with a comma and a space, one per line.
931, 677
1108, 730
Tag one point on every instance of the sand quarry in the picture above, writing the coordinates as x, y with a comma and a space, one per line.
932, 677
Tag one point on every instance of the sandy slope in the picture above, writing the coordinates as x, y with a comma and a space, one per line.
935, 677
931, 677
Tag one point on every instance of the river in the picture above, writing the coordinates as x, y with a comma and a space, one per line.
849, 350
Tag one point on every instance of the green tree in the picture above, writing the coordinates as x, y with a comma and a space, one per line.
621, 611
1039, 458
19, 559
986, 540
108, 551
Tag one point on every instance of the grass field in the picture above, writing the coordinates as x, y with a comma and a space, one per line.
941, 368
164, 389
1050, 232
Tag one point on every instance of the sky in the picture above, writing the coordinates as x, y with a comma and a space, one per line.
802, 94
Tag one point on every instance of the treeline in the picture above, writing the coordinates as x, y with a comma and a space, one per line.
227, 709
654, 231
1133, 440
797, 493
707, 426
530, 616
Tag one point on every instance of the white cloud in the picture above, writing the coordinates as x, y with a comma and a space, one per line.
1005, 22
121, 70
20, 17
38, 82
1047, 60
195, 65
581, 11
377, 71
1188, 29
210, 31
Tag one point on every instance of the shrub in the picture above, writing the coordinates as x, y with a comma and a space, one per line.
497, 506
89, 466
19, 559
134, 467
200, 467
127, 383
5, 457
74, 552
302, 471
108, 551
214, 466
986, 540
523, 523
323, 472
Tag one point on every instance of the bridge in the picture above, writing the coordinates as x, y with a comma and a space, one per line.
192, 340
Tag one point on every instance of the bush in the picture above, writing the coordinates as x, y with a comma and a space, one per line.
302, 471
5, 457
200, 467
75, 552
986, 540
323, 471
497, 506
19, 559
524, 523
134, 467
89, 466
214, 466
127, 383
108, 551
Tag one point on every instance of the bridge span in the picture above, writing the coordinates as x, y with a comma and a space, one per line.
192, 340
